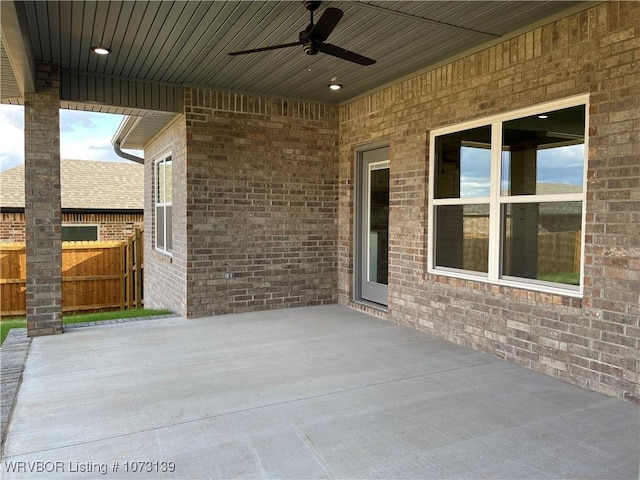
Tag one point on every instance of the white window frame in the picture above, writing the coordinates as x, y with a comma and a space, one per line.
496, 200
96, 225
162, 158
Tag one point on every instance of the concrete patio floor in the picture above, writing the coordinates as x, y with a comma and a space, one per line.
320, 392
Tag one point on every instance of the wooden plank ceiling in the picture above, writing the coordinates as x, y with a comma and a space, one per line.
180, 42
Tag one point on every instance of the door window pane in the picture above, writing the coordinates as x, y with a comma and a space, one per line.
378, 270
462, 237
541, 241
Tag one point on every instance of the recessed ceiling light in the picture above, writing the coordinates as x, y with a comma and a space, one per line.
542, 117
335, 86
101, 50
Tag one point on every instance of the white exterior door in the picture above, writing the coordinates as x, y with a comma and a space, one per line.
373, 226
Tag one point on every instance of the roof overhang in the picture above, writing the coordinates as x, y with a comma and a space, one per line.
17, 62
187, 43
136, 132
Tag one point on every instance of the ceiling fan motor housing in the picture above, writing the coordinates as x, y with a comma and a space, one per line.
307, 42
310, 49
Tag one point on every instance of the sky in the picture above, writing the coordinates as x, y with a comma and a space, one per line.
562, 165
83, 136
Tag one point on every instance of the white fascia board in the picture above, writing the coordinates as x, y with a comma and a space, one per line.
125, 128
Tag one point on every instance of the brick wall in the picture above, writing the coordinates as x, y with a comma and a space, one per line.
165, 277
593, 341
262, 202
11, 227
42, 202
254, 206
112, 227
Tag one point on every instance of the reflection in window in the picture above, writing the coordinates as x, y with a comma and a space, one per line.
463, 164
378, 270
463, 237
475, 172
544, 154
560, 169
533, 217
160, 182
168, 178
79, 233
541, 241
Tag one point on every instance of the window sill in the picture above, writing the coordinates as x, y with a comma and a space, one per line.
163, 255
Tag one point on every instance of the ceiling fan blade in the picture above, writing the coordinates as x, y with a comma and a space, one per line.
328, 21
345, 54
266, 49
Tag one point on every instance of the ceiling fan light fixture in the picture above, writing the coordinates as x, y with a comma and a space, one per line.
101, 50
335, 86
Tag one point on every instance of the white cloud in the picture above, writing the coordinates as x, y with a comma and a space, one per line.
87, 135
91, 147
11, 136
71, 120
84, 136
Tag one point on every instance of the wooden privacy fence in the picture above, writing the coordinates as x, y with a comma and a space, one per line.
557, 252
96, 276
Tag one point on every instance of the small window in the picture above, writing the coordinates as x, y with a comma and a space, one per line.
507, 198
163, 201
79, 233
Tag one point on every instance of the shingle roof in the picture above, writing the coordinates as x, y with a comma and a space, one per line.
85, 185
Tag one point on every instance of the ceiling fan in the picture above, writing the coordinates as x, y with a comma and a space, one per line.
313, 38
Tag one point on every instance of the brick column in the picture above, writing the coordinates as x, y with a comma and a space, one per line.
43, 216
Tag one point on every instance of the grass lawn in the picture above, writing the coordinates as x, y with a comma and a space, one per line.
21, 322
570, 278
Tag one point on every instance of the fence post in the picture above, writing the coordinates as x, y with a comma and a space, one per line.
129, 267
123, 275
138, 268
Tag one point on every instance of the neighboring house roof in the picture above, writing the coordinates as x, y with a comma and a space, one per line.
86, 185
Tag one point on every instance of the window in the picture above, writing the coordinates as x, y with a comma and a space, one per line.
79, 233
163, 223
507, 198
